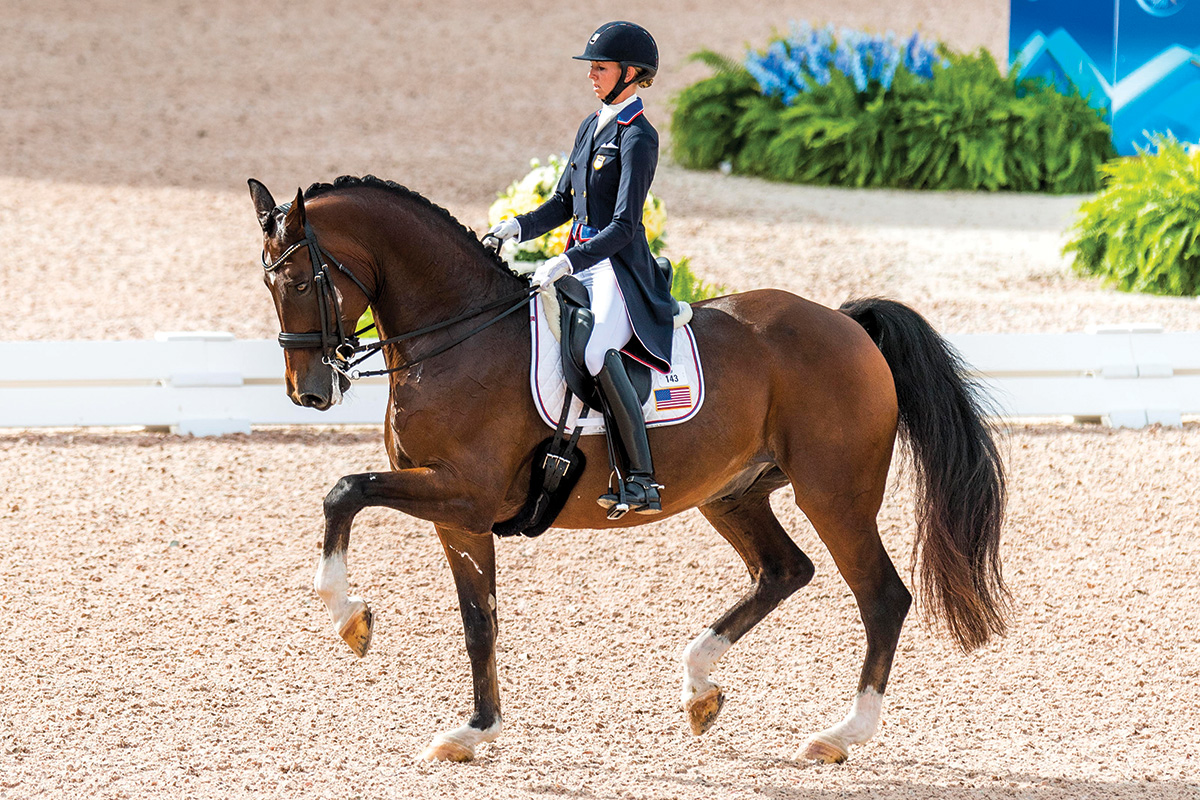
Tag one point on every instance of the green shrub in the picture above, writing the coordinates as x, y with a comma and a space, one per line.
1142, 231
688, 287
959, 124
367, 319
707, 112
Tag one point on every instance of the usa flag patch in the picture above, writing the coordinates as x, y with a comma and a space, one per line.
674, 397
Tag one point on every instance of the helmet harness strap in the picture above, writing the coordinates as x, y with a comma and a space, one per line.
622, 84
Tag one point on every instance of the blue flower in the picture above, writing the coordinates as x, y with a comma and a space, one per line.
808, 57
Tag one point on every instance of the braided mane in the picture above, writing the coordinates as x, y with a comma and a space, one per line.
403, 192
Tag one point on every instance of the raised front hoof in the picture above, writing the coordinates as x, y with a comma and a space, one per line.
358, 629
446, 750
702, 710
822, 751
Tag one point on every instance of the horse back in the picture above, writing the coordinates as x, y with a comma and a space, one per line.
797, 344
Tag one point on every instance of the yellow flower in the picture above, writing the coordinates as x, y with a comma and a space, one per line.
654, 218
556, 240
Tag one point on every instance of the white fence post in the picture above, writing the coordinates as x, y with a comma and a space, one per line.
204, 368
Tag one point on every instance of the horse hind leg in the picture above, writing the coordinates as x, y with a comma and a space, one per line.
883, 602
777, 569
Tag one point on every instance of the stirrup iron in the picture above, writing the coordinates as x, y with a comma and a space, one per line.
643, 498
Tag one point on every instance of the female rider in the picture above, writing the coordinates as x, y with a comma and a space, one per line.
601, 193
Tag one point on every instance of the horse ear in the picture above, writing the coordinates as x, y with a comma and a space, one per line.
264, 204
293, 221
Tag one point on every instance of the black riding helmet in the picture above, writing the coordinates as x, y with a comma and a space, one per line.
627, 44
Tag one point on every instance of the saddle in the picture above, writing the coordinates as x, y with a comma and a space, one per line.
557, 463
575, 328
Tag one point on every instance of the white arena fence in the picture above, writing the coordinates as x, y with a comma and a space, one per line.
209, 384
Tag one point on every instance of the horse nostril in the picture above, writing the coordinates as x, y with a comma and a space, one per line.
312, 400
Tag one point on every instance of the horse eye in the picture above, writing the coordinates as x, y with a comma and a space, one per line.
301, 288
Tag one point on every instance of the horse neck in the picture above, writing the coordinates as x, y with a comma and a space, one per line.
427, 270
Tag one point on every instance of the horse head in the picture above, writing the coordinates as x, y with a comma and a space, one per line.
317, 307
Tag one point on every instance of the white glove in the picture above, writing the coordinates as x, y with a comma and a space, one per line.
503, 231
551, 270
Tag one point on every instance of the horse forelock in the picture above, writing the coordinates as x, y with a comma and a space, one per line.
353, 183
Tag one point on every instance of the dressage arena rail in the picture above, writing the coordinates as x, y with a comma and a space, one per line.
209, 383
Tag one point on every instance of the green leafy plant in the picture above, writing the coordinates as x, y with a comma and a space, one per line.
1142, 231
367, 320
688, 287
814, 109
707, 113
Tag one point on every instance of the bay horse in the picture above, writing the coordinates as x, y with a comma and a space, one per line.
796, 393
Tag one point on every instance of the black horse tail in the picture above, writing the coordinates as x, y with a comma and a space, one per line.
959, 474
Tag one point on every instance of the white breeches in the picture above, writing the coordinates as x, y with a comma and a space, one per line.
613, 329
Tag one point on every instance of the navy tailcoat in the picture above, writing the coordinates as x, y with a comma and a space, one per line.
604, 188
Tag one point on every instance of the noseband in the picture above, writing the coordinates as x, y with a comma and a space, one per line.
338, 350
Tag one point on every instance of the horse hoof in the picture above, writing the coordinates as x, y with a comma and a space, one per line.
702, 710
822, 751
445, 750
358, 629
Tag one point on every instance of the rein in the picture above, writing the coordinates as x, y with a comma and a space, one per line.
521, 298
338, 348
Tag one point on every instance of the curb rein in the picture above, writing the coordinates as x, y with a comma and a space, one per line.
339, 350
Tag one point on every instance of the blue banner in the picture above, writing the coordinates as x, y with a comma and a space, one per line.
1136, 60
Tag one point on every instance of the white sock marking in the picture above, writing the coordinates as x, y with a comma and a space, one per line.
331, 585
859, 724
467, 737
699, 658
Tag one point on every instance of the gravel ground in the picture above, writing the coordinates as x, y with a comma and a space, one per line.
159, 637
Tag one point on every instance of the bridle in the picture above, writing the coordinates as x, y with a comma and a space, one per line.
340, 351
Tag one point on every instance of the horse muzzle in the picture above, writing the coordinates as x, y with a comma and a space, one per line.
316, 384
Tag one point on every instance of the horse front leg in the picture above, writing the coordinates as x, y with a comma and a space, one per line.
472, 558
416, 491
425, 493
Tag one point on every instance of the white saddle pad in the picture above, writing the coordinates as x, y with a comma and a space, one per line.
674, 397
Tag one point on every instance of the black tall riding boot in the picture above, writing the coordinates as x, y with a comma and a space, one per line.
638, 492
